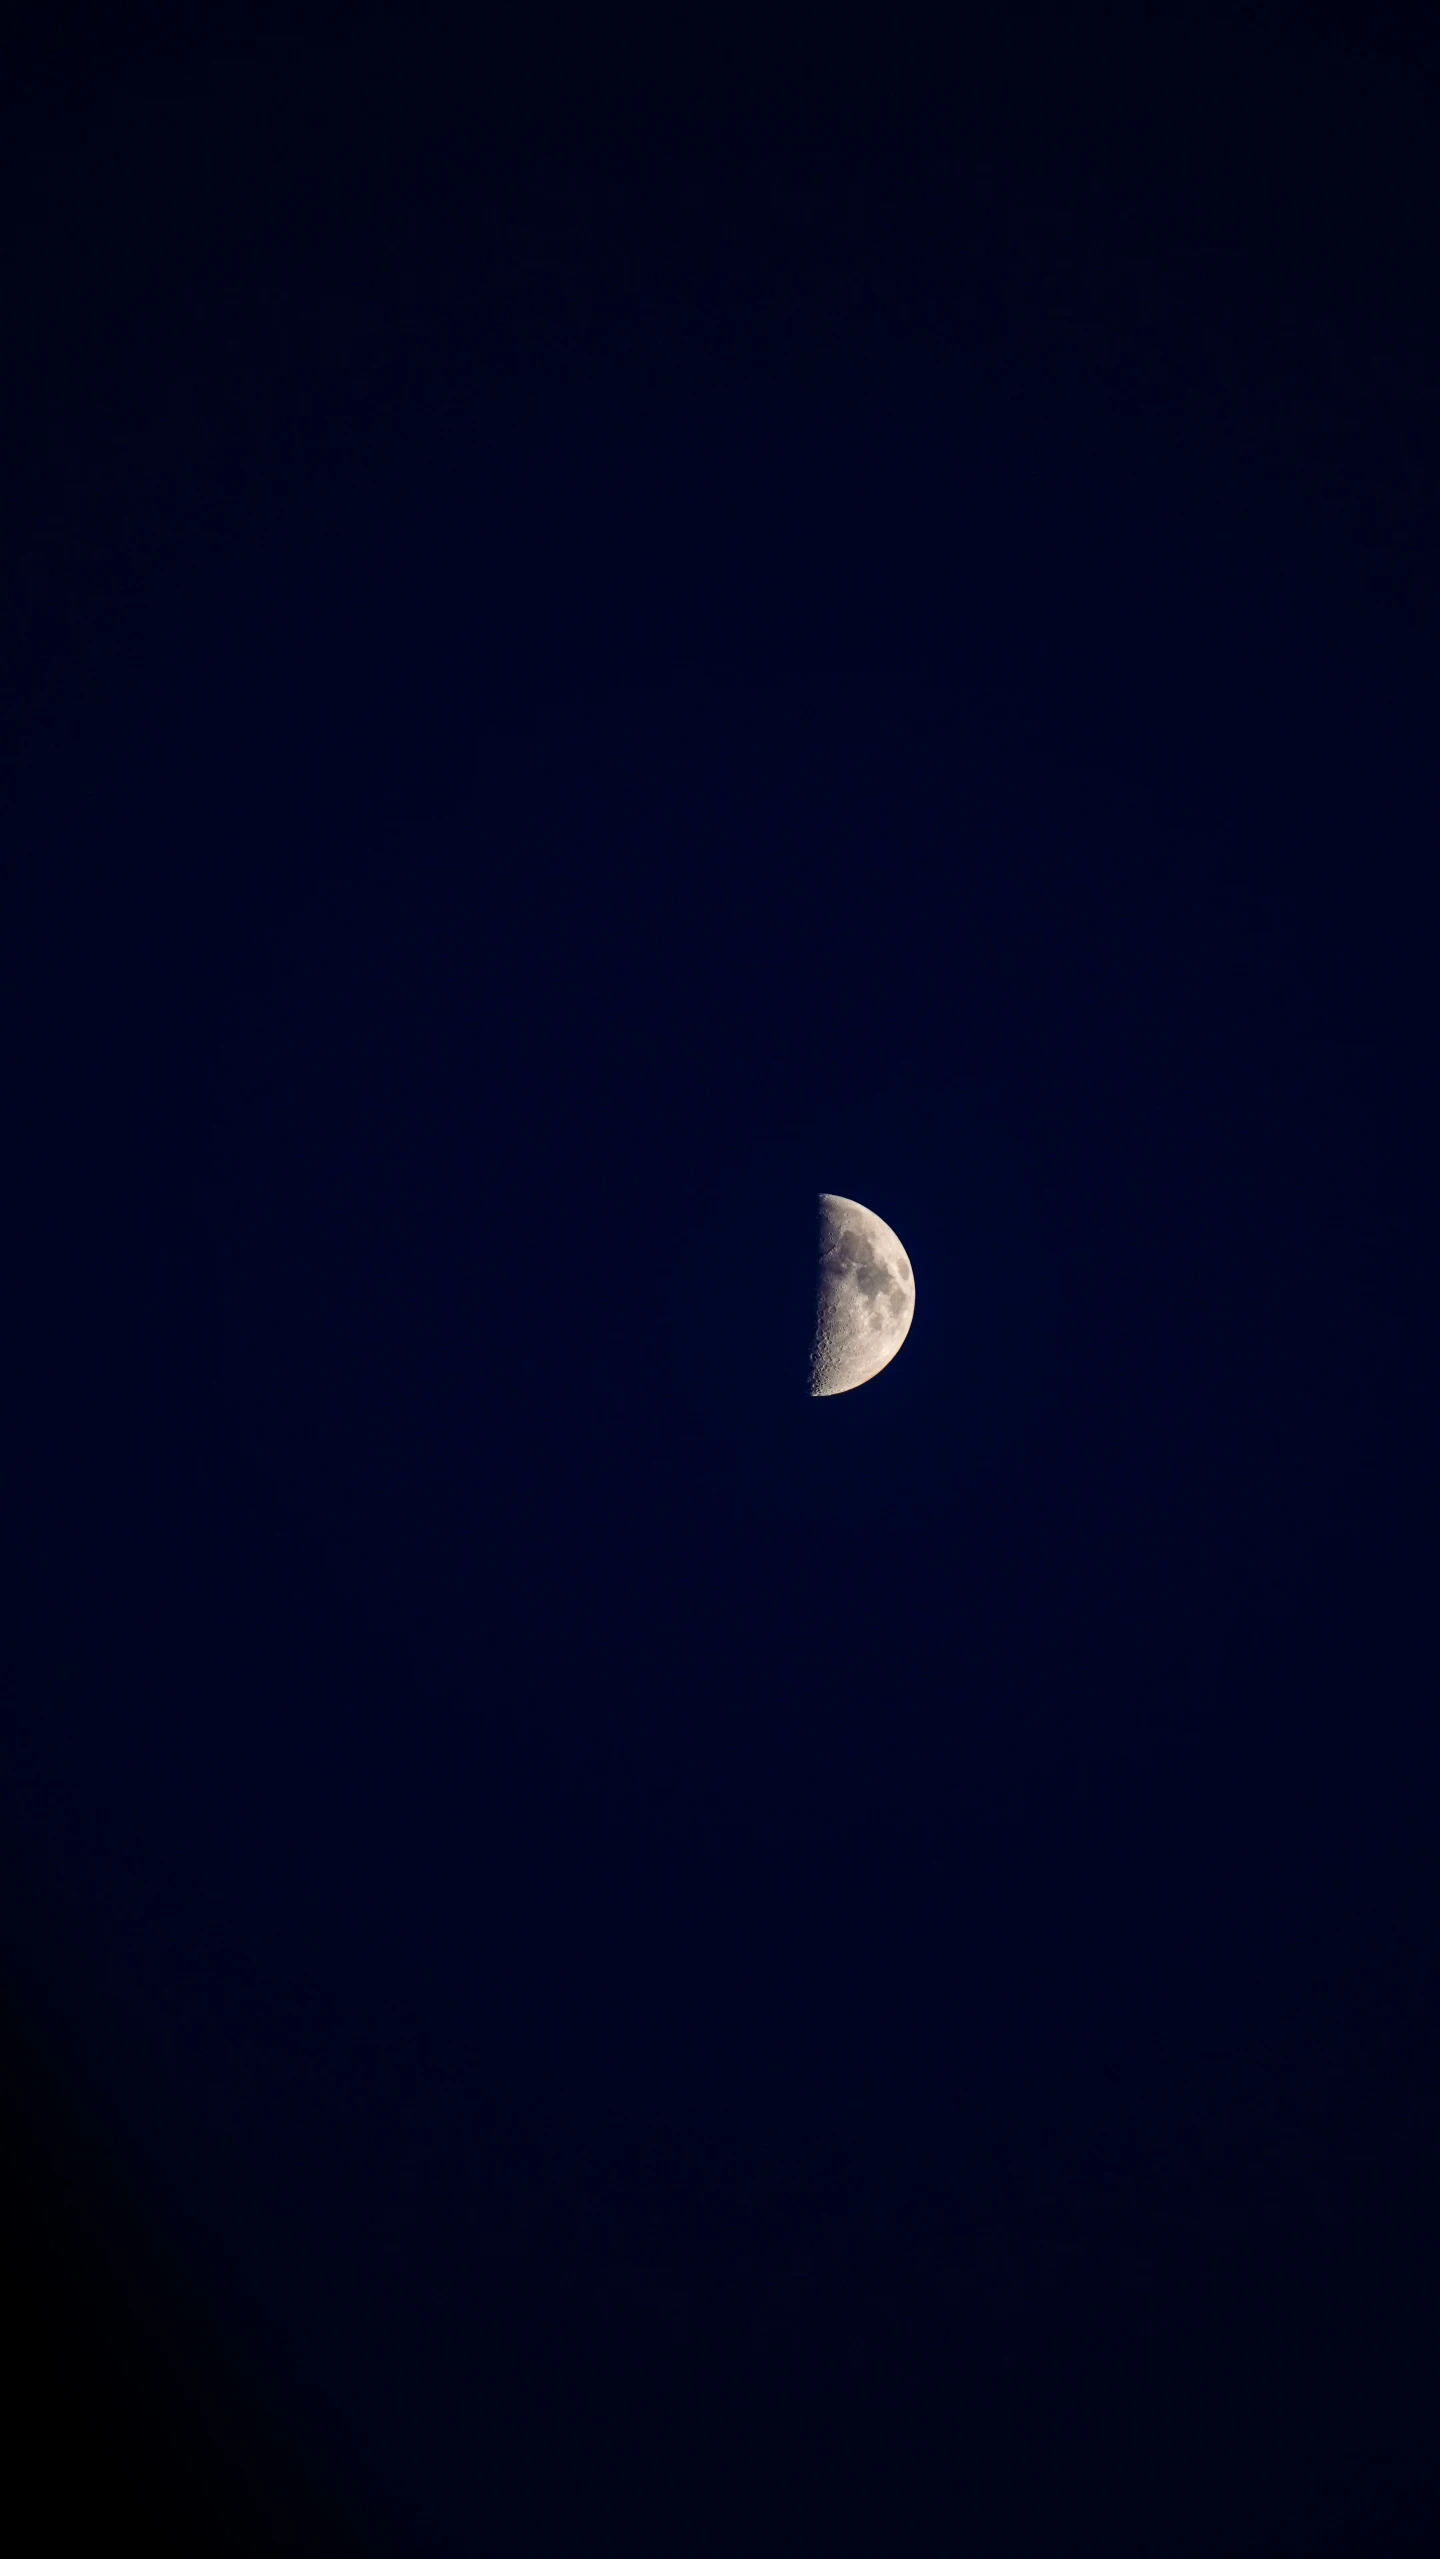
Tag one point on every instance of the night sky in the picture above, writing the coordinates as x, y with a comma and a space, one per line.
606, 628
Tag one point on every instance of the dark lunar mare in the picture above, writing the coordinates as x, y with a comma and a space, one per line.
849, 1254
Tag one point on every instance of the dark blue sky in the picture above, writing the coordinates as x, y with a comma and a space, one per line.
599, 637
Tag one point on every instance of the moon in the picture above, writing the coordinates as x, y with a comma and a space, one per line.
864, 1300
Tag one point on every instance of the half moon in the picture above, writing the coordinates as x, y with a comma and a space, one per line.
865, 1297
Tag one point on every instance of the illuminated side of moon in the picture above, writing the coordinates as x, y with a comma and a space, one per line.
864, 1300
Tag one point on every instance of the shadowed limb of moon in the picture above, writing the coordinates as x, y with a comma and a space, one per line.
865, 1297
